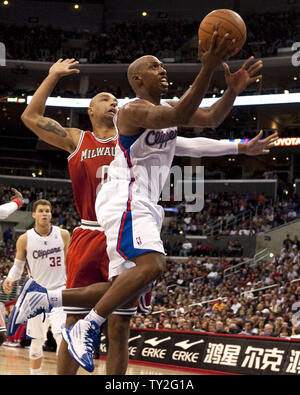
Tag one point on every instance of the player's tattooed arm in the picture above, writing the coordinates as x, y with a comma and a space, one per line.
51, 126
52, 132
45, 128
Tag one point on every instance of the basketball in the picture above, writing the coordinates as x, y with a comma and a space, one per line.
223, 21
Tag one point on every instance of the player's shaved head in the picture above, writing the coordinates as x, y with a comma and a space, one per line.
100, 96
136, 68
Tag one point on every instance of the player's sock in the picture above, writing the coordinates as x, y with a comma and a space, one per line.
35, 372
55, 298
93, 316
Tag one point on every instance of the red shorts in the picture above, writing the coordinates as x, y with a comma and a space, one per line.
87, 260
87, 263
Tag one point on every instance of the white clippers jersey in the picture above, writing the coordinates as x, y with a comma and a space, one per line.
143, 161
46, 259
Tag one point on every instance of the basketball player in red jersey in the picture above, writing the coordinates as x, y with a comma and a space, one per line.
90, 153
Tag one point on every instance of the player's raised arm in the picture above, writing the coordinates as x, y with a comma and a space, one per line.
142, 114
236, 83
46, 128
8, 208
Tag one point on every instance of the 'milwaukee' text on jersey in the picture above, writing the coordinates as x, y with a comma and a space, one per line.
99, 151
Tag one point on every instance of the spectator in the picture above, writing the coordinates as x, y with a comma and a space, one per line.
235, 306
268, 330
7, 235
220, 327
247, 329
296, 333
287, 241
186, 248
218, 306
233, 328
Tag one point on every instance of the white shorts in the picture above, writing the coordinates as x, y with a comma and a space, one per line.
2, 323
131, 227
37, 329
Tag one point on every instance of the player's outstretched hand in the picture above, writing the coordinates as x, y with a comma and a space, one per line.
64, 67
218, 51
17, 195
243, 77
260, 147
7, 286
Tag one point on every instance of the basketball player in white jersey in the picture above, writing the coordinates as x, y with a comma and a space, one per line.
196, 147
5, 210
8, 208
127, 205
43, 248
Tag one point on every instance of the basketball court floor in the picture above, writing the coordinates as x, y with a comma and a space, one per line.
15, 361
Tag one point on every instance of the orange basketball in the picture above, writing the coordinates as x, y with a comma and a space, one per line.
224, 21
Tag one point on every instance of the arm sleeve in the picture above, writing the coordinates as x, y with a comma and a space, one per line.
16, 270
7, 209
200, 146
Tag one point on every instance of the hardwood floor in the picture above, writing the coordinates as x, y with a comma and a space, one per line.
15, 361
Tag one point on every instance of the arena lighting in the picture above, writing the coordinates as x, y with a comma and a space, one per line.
254, 100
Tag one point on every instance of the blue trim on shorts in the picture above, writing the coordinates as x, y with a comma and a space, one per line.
126, 245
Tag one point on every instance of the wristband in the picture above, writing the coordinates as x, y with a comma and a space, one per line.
18, 201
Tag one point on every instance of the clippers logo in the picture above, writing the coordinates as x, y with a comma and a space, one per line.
44, 253
160, 138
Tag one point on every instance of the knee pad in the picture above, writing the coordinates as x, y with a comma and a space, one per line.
36, 348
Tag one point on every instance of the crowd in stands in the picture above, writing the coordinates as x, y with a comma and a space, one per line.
122, 42
194, 293
235, 214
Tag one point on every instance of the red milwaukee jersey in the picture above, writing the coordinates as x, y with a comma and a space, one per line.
88, 168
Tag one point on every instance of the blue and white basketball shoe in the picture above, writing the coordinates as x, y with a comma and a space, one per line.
82, 338
32, 301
